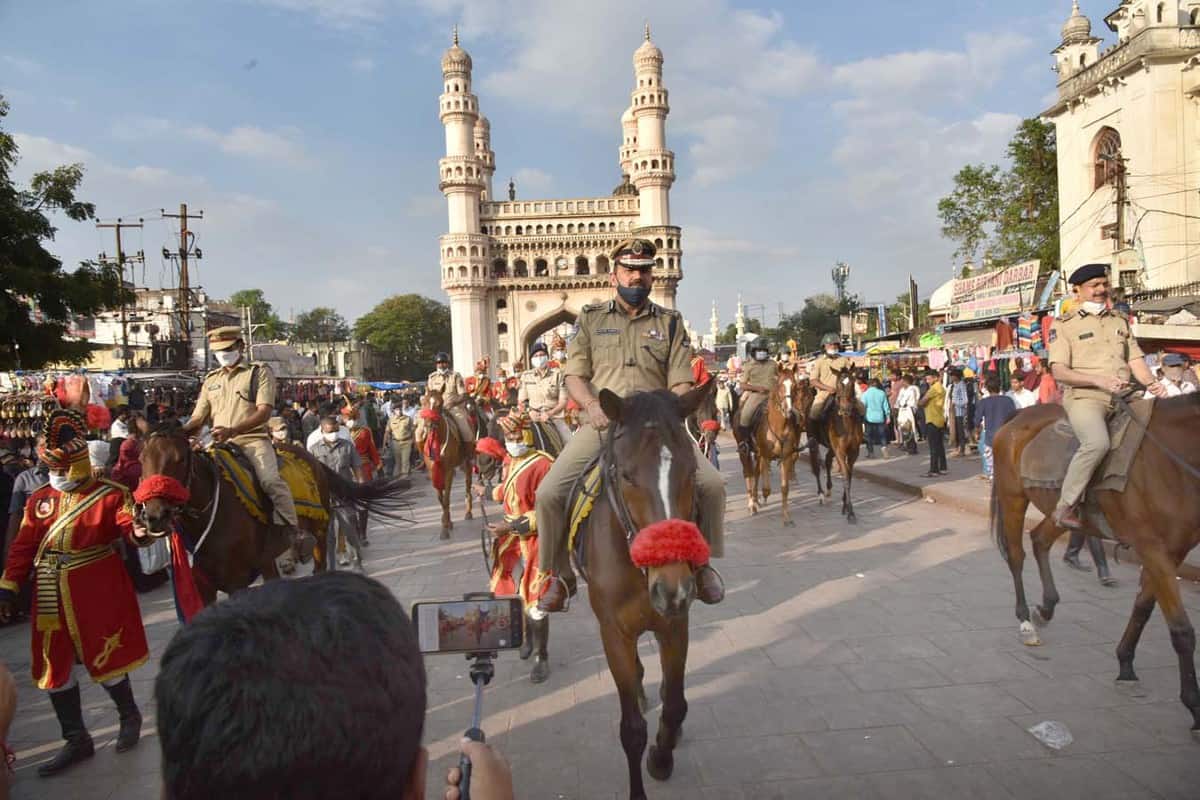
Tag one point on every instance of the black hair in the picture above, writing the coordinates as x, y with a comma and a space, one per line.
993, 384
875, 382
302, 689
331, 419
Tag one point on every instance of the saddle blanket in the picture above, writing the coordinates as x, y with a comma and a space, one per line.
579, 506
1044, 460
294, 470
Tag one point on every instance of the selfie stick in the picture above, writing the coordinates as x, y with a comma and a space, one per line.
482, 671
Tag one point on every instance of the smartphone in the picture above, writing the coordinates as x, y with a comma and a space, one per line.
468, 626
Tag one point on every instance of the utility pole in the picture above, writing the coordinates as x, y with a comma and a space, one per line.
1122, 191
120, 262
186, 240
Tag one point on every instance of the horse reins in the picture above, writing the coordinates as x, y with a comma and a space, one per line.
610, 483
1123, 404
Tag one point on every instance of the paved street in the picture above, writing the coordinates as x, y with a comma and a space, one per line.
879, 660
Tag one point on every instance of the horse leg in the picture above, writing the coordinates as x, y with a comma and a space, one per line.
785, 478
444, 499
643, 702
847, 484
470, 499
1162, 577
814, 461
673, 647
750, 474
621, 652
764, 476
1008, 516
829, 473
541, 658
1143, 607
1043, 537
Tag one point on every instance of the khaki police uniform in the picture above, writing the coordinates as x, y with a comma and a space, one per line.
755, 373
228, 397
400, 435
624, 355
822, 371
453, 388
542, 391
1094, 344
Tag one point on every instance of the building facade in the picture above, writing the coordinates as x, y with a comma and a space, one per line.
517, 269
1128, 128
347, 359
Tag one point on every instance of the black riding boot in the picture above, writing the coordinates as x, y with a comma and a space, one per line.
68, 707
130, 716
1074, 547
1101, 560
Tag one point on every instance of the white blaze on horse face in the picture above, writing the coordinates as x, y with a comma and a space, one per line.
664, 479
845, 381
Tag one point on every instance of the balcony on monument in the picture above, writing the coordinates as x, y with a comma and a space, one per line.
1149, 44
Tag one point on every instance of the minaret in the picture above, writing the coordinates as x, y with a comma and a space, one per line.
714, 324
483, 151
653, 164
464, 179
1079, 49
740, 320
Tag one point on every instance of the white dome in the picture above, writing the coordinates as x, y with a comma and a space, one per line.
1077, 28
627, 117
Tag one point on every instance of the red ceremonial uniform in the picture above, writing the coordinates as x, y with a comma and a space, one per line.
364, 443
700, 373
517, 491
84, 605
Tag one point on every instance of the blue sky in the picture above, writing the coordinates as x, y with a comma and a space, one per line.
307, 130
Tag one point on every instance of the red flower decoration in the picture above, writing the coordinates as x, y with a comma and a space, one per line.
490, 447
98, 417
710, 425
429, 415
162, 487
667, 542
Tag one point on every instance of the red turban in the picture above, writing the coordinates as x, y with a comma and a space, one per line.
490, 447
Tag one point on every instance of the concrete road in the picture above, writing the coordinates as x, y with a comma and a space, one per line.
871, 661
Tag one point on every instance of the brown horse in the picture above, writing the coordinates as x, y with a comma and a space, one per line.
452, 453
776, 436
841, 433
649, 467
232, 548
1158, 514
706, 412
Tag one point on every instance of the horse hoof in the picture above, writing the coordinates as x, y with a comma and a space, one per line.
468, 516
1029, 635
853, 520
789, 523
1131, 688
540, 671
660, 763
445, 534
526, 650
1041, 617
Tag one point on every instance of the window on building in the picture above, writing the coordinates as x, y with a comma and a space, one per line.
1160, 13
502, 328
1194, 18
520, 268
581, 266
601, 265
1128, 278
1106, 157
499, 268
503, 354
501, 304
541, 269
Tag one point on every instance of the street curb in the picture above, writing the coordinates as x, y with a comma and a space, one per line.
972, 505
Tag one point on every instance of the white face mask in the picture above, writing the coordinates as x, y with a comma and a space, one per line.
329, 437
516, 449
351, 423
539, 362
561, 355
443, 370
280, 435
227, 358
1092, 307
63, 484
760, 355
831, 351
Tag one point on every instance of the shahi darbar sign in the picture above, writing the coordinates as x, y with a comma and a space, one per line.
1005, 291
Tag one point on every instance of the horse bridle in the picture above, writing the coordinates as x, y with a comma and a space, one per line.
213, 502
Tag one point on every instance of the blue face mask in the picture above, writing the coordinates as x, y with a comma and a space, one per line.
633, 295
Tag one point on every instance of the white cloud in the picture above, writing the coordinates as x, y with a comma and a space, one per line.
254, 142
25, 66
363, 64
532, 181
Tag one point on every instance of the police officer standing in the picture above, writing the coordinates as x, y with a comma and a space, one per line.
626, 345
237, 398
1093, 354
542, 394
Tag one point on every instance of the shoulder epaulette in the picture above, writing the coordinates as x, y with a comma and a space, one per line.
1068, 316
598, 306
212, 372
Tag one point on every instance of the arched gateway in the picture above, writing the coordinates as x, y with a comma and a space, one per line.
516, 269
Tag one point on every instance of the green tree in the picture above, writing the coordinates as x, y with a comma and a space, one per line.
38, 299
729, 335
409, 328
818, 317
897, 314
1012, 212
321, 324
262, 314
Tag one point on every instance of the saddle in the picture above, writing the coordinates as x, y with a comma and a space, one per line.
1044, 460
235, 467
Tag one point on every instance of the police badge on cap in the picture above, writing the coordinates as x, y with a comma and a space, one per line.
1088, 272
635, 254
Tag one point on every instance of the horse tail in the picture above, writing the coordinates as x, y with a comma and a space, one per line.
381, 498
997, 520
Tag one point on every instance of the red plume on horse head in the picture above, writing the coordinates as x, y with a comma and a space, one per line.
669, 541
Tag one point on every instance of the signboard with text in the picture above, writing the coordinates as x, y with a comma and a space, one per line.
992, 294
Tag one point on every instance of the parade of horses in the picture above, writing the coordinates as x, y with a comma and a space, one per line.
260, 556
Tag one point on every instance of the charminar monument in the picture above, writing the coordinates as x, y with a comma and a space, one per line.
515, 269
